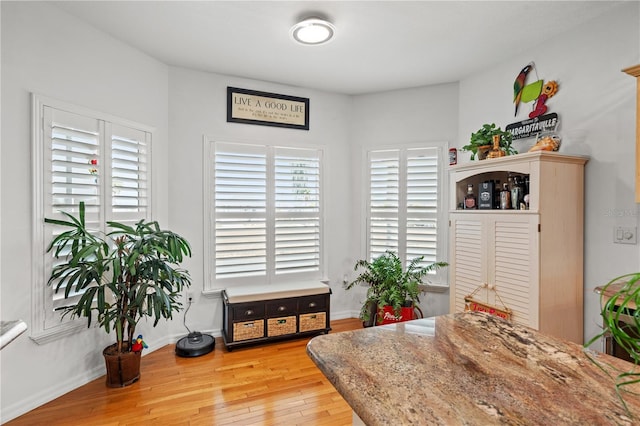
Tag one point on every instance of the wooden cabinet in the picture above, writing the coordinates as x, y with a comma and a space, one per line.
270, 316
533, 259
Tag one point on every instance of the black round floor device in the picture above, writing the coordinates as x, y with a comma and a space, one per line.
195, 344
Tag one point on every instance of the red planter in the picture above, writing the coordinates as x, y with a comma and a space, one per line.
388, 315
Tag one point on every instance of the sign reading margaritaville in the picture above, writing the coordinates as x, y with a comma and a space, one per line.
529, 128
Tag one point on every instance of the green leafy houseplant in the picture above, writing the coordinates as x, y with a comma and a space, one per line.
389, 283
124, 275
621, 322
484, 137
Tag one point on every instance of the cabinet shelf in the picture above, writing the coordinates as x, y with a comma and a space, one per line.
528, 164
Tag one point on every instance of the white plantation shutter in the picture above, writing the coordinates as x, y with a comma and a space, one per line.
297, 210
404, 195
240, 184
422, 204
266, 213
81, 155
129, 173
384, 201
72, 143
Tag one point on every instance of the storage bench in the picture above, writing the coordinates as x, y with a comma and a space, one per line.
256, 314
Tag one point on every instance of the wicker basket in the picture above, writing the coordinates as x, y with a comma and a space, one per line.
248, 330
280, 326
315, 321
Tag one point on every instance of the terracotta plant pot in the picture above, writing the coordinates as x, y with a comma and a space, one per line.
122, 369
483, 151
388, 315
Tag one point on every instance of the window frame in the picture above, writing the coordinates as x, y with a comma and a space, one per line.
438, 282
46, 324
211, 286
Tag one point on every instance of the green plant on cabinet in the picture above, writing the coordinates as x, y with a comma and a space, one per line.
482, 139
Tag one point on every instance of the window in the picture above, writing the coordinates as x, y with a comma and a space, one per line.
265, 214
81, 155
405, 210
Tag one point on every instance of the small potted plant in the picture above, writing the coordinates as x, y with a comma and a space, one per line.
374, 275
127, 274
392, 291
620, 301
481, 141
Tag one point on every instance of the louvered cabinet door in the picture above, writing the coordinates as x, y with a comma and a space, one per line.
468, 268
500, 250
514, 260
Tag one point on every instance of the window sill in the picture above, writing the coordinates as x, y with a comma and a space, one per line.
214, 293
434, 288
57, 332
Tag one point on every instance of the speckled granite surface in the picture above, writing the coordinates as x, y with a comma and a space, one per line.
469, 368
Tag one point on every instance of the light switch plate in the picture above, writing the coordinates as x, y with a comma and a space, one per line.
625, 235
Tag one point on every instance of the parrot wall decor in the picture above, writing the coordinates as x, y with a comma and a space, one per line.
537, 91
519, 84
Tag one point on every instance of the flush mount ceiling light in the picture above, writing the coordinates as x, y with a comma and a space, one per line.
312, 31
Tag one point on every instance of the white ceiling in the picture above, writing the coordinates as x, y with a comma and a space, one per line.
379, 45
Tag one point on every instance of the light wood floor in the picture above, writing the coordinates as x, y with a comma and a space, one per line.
272, 384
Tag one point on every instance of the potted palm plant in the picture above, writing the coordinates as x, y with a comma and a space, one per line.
620, 299
124, 275
481, 140
392, 290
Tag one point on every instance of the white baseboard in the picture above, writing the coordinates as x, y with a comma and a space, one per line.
46, 395
43, 396
344, 315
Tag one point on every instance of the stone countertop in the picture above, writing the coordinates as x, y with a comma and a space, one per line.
471, 368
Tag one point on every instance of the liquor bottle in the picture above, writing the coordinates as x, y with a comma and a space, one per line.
470, 199
526, 192
505, 197
497, 187
485, 194
516, 193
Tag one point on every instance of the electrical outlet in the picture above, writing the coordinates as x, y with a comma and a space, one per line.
190, 296
624, 235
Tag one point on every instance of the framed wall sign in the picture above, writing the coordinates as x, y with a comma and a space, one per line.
267, 109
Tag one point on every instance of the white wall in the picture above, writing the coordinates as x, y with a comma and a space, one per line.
197, 109
596, 105
425, 114
48, 52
